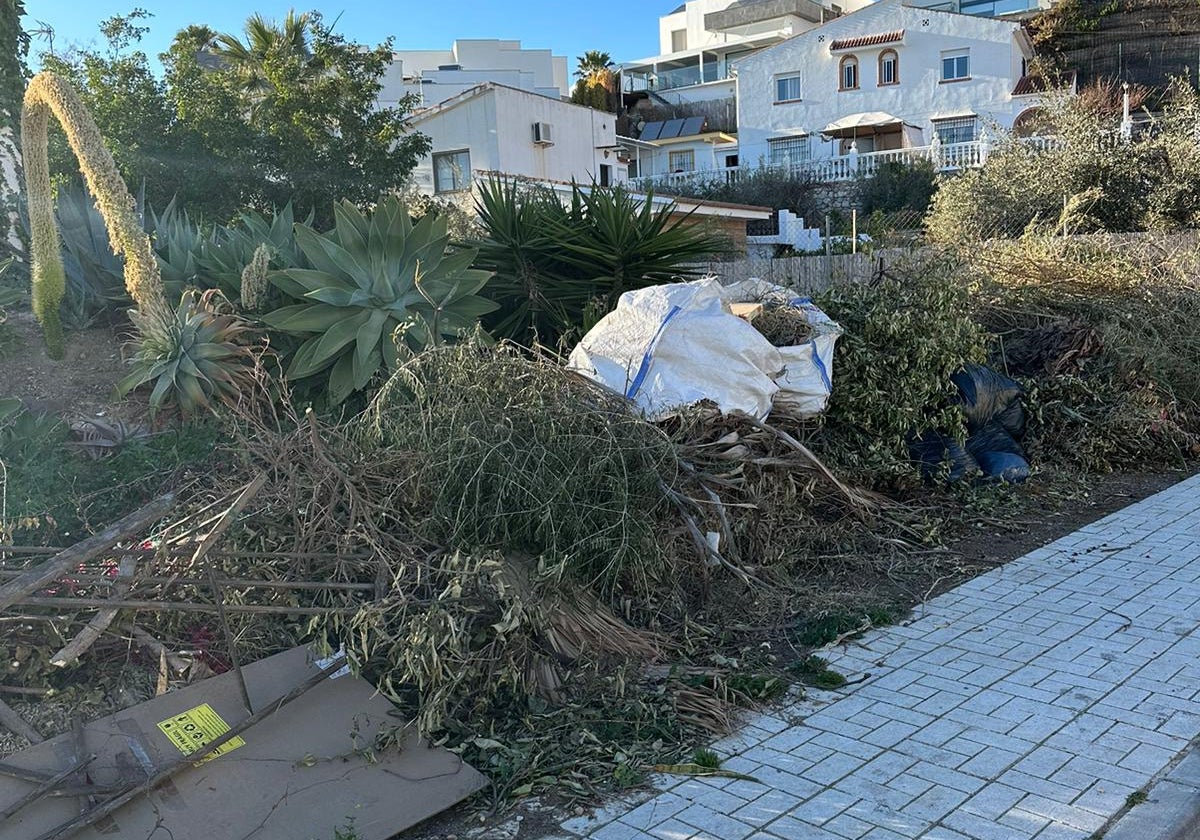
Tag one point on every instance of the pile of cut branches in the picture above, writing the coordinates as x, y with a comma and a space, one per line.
1104, 329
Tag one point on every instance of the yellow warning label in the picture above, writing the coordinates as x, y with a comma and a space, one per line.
192, 729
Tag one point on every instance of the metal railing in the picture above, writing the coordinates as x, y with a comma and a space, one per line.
946, 157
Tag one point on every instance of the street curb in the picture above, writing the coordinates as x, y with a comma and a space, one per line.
1172, 811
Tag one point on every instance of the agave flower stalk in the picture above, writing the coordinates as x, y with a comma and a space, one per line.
47, 95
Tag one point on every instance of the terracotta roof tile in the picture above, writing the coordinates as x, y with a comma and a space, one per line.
1039, 84
867, 40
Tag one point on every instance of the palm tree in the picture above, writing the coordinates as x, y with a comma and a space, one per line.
267, 40
593, 64
597, 85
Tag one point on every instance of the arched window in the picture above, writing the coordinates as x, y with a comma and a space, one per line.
849, 73
889, 68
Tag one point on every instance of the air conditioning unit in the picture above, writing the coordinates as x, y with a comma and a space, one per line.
542, 135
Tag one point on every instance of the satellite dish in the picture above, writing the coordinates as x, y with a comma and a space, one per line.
641, 126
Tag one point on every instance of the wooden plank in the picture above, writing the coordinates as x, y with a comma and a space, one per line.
82, 552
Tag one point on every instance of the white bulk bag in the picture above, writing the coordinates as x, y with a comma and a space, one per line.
807, 378
669, 346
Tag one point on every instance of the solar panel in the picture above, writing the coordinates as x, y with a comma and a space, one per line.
671, 129
652, 131
693, 125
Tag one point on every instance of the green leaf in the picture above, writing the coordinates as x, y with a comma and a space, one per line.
304, 318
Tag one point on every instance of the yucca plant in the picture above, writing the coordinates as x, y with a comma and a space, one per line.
380, 287
540, 295
559, 265
197, 358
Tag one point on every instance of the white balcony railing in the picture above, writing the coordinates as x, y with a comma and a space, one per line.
946, 157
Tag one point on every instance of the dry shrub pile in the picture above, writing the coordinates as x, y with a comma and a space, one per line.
535, 574
1105, 330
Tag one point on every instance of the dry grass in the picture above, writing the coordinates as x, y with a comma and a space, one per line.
783, 326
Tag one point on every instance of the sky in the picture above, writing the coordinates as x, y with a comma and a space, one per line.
627, 29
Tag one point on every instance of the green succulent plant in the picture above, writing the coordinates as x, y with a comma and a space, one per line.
95, 275
199, 356
560, 264
380, 288
178, 242
231, 248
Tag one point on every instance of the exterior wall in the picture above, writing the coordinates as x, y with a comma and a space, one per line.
709, 92
995, 66
720, 51
505, 62
734, 229
578, 135
496, 126
470, 126
707, 156
692, 20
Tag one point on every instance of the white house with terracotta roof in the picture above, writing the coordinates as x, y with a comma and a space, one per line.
886, 78
887, 82
496, 128
701, 41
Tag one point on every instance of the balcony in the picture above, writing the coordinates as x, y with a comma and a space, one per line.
948, 157
748, 13
678, 73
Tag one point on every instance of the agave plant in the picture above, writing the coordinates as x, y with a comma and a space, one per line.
381, 286
95, 275
199, 356
178, 242
232, 248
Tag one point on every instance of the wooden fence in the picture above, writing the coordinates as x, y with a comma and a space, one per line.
812, 274
808, 274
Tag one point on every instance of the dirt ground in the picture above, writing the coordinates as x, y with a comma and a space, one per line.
82, 383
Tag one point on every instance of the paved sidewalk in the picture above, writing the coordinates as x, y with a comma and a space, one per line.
1029, 702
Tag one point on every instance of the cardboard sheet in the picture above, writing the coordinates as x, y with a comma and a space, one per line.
304, 772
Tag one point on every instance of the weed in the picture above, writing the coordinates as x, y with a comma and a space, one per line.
814, 671
706, 758
1136, 798
347, 831
819, 632
55, 493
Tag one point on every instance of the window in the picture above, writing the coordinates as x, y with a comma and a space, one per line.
679, 40
956, 65
788, 151
605, 175
731, 160
684, 161
849, 73
957, 130
787, 88
452, 171
889, 66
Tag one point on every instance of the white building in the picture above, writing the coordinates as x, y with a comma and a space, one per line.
496, 128
678, 146
889, 79
700, 42
987, 8
438, 75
